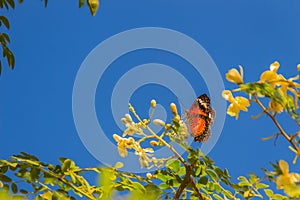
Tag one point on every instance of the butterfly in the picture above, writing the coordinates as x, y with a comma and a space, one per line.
200, 117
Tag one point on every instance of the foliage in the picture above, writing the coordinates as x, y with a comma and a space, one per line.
4, 24
194, 176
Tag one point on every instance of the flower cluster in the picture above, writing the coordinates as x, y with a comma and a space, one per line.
177, 130
271, 84
130, 143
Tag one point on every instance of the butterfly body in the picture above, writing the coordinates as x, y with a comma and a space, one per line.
200, 117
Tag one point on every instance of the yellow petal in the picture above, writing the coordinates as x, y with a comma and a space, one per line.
234, 76
298, 67
274, 66
227, 95
242, 101
233, 110
268, 76
284, 166
117, 138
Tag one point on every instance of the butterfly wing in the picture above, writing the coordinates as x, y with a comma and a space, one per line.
200, 117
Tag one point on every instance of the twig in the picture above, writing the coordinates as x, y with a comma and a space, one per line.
282, 132
196, 189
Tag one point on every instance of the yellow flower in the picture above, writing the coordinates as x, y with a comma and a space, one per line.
288, 181
235, 76
124, 144
237, 103
121, 145
290, 85
298, 67
271, 75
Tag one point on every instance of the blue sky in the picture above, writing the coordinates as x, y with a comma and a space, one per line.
51, 44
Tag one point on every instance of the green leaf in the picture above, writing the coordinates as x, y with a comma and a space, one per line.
29, 156
139, 187
217, 188
198, 171
226, 173
173, 165
163, 186
4, 178
23, 191
5, 21
261, 186
62, 159
67, 165
219, 172
203, 180
93, 6
212, 174
181, 171
48, 179
217, 197
3, 169
81, 3
228, 194
243, 181
11, 3
34, 174
14, 188
269, 192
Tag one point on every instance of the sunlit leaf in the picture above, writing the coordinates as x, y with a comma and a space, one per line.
212, 174
173, 165
5, 21
81, 3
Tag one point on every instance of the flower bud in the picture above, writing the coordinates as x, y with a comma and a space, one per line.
149, 175
298, 67
128, 118
159, 122
123, 120
153, 143
173, 109
153, 103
